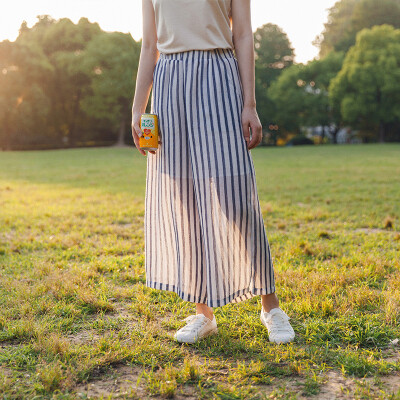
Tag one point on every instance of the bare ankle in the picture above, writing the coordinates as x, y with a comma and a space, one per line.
202, 308
269, 301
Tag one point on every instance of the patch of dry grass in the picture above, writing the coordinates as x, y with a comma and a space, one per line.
76, 320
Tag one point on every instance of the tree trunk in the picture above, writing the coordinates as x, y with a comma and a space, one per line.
382, 132
7, 145
323, 133
334, 133
121, 133
75, 115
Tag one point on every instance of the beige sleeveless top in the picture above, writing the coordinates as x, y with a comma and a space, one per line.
184, 25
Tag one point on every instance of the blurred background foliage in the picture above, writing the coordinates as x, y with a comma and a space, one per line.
66, 85
70, 85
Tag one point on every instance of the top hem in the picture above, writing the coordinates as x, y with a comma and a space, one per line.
183, 50
211, 53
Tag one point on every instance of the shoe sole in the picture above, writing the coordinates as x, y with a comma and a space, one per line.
277, 342
282, 341
212, 332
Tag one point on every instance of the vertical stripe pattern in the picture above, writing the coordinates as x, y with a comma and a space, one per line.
204, 233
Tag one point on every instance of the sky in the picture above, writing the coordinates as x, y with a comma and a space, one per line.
301, 20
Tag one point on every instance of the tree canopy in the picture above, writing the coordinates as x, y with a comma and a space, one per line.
347, 17
273, 54
301, 95
367, 89
64, 84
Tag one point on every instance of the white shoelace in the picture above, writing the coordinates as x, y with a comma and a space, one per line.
194, 323
278, 321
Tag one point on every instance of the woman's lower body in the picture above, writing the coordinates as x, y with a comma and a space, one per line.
204, 233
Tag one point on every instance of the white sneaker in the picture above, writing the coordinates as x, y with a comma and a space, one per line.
278, 325
198, 327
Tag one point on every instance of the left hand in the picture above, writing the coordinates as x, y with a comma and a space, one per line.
250, 120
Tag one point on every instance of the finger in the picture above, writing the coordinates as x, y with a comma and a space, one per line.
136, 140
247, 140
253, 141
256, 136
135, 135
138, 131
141, 151
260, 134
246, 133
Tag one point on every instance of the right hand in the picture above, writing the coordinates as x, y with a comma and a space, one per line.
137, 132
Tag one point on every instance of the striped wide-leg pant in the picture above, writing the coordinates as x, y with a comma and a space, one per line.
204, 233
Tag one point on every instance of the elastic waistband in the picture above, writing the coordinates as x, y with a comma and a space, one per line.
199, 54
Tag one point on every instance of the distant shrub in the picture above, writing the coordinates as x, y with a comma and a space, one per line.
298, 140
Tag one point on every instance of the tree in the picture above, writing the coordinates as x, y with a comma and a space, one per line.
367, 89
347, 17
273, 54
50, 87
64, 43
8, 97
301, 95
288, 93
23, 103
112, 60
318, 74
47, 78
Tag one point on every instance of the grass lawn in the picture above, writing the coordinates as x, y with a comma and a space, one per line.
77, 322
